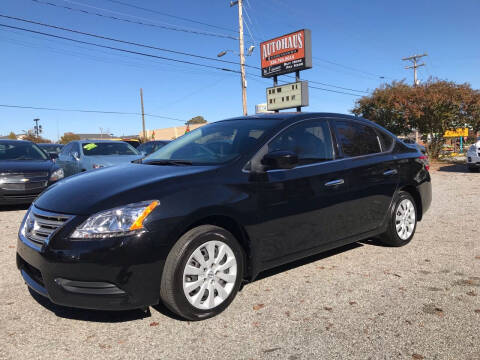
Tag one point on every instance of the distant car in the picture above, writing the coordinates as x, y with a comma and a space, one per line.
151, 146
421, 148
25, 171
473, 156
84, 155
134, 142
52, 149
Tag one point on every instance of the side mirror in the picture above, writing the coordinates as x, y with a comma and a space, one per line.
76, 156
280, 160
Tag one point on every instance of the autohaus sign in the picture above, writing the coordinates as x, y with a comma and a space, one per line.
287, 53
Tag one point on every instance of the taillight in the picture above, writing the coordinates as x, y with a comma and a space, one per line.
424, 159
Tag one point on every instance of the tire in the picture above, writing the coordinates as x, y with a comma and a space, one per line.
404, 218
472, 169
182, 288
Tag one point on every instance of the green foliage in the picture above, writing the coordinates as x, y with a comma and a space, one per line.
431, 107
69, 136
197, 120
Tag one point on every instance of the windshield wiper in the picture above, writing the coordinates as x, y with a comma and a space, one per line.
168, 162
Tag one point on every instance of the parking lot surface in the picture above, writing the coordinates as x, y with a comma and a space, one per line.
363, 301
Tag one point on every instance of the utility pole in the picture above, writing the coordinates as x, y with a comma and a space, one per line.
36, 128
242, 53
414, 59
143, 116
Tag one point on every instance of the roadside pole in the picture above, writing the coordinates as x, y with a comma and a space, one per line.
242, 56
143, 116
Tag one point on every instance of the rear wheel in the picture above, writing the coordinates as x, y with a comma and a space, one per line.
202, 273
403, 221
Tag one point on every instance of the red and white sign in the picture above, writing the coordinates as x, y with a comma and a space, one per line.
287, 53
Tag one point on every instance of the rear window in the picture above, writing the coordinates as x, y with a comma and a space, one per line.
357, 139
387, 140
107, 148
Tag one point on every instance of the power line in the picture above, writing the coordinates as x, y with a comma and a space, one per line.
119, 49
88, 111
148, 46
349, 67
170, 15
122, 41
165, 27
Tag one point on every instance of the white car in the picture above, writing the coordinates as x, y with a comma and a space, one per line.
473, 156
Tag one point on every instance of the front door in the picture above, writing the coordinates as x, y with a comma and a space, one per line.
301, 208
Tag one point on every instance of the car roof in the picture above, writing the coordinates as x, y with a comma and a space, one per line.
294, 116
98, 141
11, 141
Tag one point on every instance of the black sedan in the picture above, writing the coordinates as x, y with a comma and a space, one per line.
216, 207
25, 171
151, 146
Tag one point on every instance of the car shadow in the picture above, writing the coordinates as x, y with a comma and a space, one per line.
14, 207
307, 260
459, 168
138, 314
90, 315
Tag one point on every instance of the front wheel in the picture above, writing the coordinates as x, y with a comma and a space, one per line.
202, 273
402, 223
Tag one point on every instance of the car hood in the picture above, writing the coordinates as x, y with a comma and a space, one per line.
15, 166
97, 190
110, 160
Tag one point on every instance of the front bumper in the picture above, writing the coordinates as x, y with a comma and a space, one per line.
473, 161
111, 274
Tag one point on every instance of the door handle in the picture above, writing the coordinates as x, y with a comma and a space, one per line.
335, 182
390, 172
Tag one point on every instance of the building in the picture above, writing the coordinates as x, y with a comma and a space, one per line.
169, 133
95, 136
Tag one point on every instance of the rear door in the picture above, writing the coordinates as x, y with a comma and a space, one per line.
372, 176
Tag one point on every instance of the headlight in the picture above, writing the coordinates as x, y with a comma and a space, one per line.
98, 166
57, 175
121, 221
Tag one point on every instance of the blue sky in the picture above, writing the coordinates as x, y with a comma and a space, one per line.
367, 39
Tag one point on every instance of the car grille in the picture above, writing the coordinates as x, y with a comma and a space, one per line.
41, 225
23, 181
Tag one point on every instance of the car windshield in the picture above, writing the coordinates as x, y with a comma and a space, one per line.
108, 148
215, 143
21, 151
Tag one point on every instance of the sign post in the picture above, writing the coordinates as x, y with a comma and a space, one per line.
282, 55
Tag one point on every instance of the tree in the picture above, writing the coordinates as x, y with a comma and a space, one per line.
197, 120
69, 136
12, 136
30, 136
432, 108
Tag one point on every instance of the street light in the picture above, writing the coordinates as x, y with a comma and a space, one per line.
249, 51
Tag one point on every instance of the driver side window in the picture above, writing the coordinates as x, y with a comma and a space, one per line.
311, 141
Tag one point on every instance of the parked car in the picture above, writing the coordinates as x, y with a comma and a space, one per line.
193, 221
420, 147
134, 142
83, 155
151, 146
473, 156
25, 171
51, 149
